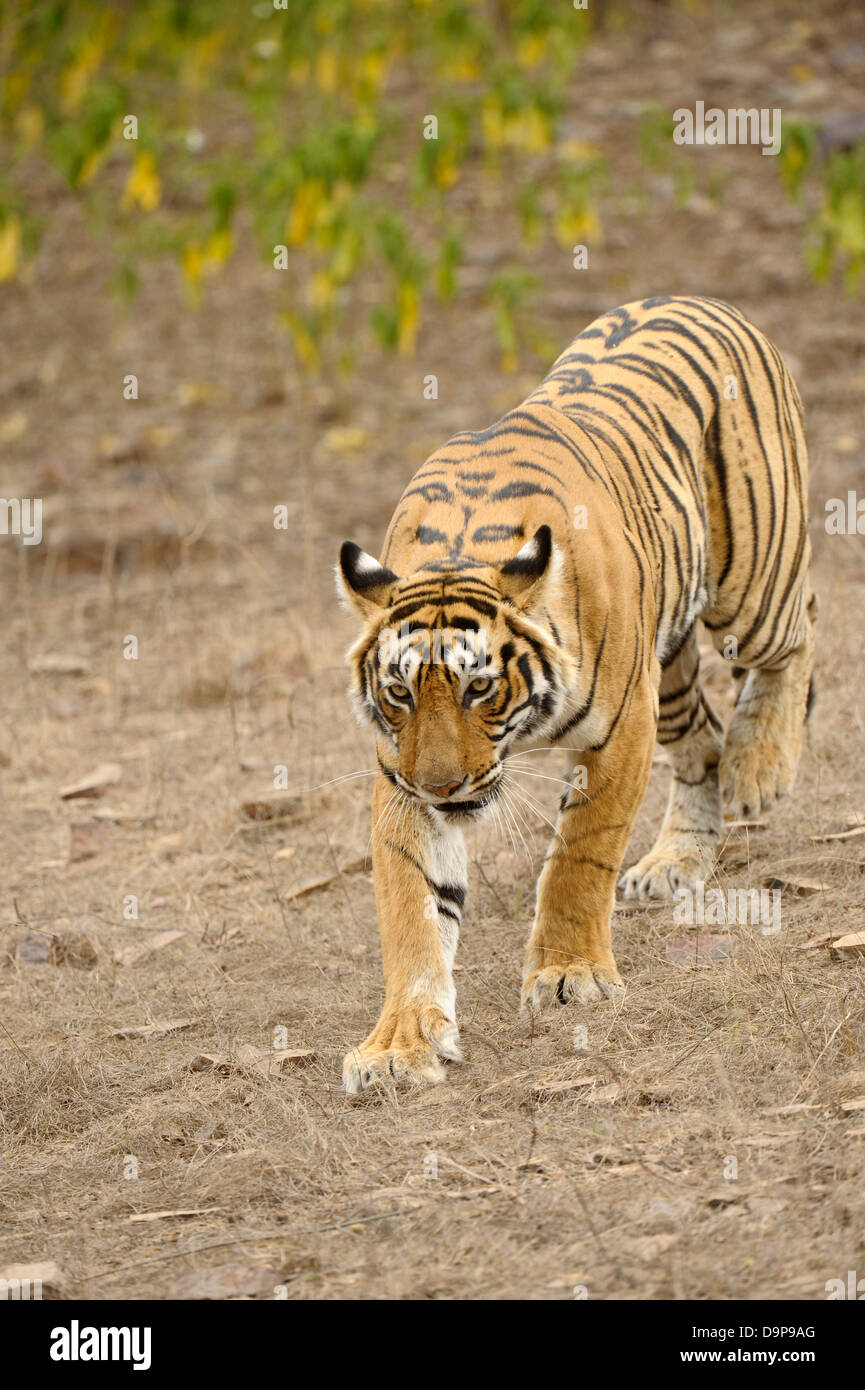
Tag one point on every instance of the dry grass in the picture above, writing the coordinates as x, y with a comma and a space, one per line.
621, 1186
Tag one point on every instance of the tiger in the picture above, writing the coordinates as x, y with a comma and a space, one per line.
541, 586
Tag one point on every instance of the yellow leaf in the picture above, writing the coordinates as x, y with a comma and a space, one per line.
29, 124
463, 69
527, 131
327, 71
192, 261
305, 209
10, 248
446, 169
193, 393
373, 69
577, 226
492, 125
75, 77
578, 150
202, 57
17, 85
302, 341
346, 439
531, 49
144, 186
90, 167
408, 314
219, 247
321, 289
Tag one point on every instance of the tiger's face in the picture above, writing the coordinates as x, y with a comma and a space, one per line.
454, 671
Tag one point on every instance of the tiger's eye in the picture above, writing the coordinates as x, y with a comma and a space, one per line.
480, 685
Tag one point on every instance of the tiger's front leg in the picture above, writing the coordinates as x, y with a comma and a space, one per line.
569, 954
419, 868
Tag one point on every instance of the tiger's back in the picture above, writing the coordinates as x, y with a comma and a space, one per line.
686, 415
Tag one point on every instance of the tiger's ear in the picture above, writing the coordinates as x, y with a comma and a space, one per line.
523, 578
362, 582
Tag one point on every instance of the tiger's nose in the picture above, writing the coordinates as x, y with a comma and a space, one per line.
442, 788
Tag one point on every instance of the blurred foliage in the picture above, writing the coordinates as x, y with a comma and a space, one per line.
836, 231
337, 133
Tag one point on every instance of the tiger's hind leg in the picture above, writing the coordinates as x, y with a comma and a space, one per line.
764, 737
687, 844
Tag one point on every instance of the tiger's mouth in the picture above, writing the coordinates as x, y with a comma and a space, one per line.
467, 810
453, 809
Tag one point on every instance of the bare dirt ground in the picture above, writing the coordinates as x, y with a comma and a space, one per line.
480, 1188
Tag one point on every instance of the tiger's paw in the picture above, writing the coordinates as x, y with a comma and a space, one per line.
666, 869
581, 982
754, 773
408, 1046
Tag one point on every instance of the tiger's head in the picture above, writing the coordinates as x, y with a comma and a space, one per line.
457, 667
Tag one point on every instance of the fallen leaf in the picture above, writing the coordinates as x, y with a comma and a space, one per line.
277, 1060
794, 1109
129, 955
118, 817
849, 1106
94, 784
167, 846
604, 1095
799, 887
546, 1089
76, 951
309, 885
287, 852
272, 808
227, 1281
648, 1248
155, 1030
345, 439
726, 1197
87, 838
167, 1215
13, 426
627, 909
759, 1205
47, 948
190, 394
849, 946
248, 1058
733, 854
57, 664
361, 865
